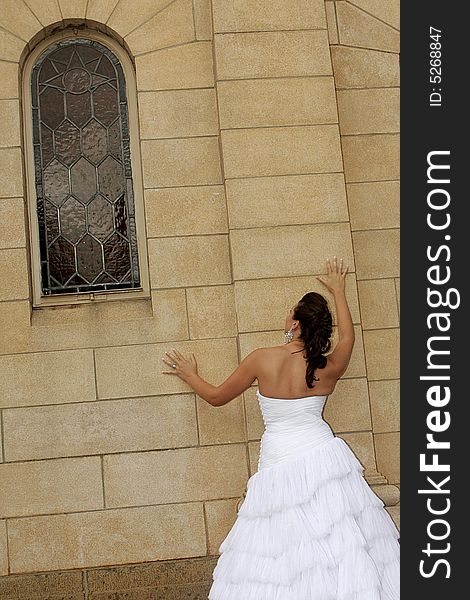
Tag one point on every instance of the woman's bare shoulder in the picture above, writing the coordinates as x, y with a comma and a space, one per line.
273, 348
269, 352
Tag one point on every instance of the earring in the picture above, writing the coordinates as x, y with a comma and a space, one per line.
288, 336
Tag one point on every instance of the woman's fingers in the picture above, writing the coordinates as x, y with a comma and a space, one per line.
328, 266
335, 266
178, 354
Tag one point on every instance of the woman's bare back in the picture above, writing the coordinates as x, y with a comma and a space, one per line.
282, 374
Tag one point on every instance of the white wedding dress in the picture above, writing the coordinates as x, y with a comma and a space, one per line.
310, 527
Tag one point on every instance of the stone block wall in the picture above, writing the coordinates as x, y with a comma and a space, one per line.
268, 133
364, 38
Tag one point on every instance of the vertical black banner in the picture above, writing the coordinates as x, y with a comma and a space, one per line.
435, 270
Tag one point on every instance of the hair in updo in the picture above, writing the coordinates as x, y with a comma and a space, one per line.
316, 324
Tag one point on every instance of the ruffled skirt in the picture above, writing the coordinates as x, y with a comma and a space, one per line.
310, 528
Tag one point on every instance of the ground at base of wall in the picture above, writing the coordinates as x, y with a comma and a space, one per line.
181, 579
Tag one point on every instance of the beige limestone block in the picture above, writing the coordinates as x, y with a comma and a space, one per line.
14, 325
385, 11
128, 14
371, 157
347, 408
360, 68
47, 378
378, 303
389, 494
106, 537
377, 253
178, 113
211, 312
394, 512
387, 446
11, 47
131, 371
254, 313
186, 66
184, 161
382, 349
12, 223
10, 162
271, 102
272, 54
331, 22
111, 327
374, 204
385, 405
9, 113
186, 210
220, 517
397, 287
189, 261
203, 19
254, 416
172, 25
362, 444
260, 339
169, 476
100, 427
13, 274
221, 424
51, 486
356, 367
169, 311
73, 9
297, 250
264, 15
286, 200
100, 10
17, 18
357, 28
253, 451
369, 111
9, 89
281, 150
3, 548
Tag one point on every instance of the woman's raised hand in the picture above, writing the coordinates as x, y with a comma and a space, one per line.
335, 275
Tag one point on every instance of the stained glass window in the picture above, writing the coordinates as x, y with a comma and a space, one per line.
83, 175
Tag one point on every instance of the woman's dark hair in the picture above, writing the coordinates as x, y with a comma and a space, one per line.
316, 324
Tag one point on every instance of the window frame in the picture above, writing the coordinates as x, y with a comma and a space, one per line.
38, 300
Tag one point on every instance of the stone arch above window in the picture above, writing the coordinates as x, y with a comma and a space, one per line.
83, 199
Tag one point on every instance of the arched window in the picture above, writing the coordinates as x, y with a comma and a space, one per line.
83, 175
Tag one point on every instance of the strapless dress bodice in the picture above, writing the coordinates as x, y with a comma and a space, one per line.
292, 427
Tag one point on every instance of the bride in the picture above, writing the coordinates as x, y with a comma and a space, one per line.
280, 370
309, 527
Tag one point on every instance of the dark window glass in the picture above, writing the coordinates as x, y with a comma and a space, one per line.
84, 191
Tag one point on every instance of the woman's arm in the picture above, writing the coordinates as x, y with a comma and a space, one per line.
203, 389
341, 355
335, 282
343, 315
233, 386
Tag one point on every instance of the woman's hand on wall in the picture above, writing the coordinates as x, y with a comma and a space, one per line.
184, 367
335, 275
